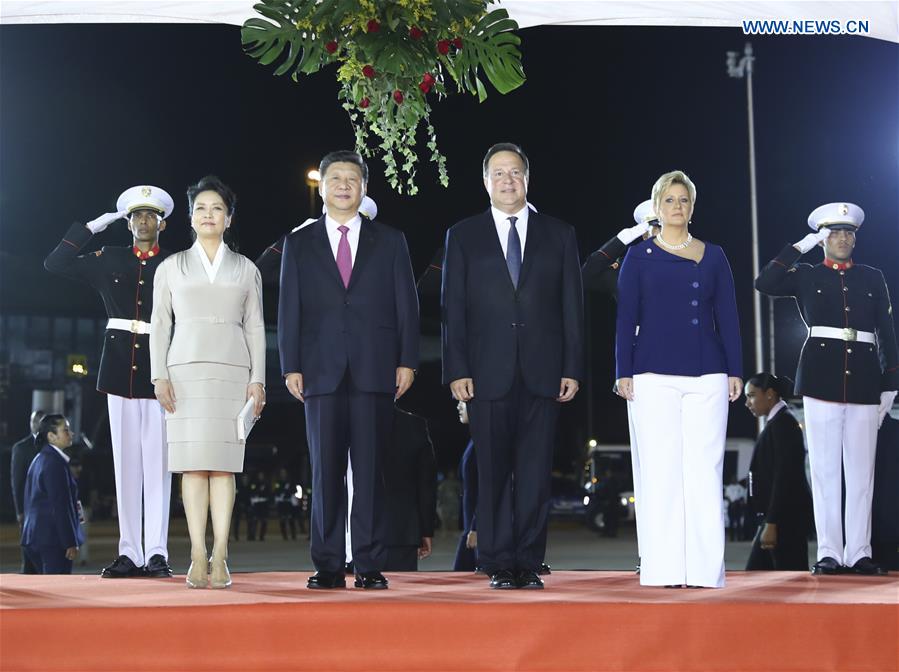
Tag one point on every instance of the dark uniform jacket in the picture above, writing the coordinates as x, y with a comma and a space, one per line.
599, 271
841, 296
778, 488
125, 282
410, 476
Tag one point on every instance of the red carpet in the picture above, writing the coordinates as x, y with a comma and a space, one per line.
441, 621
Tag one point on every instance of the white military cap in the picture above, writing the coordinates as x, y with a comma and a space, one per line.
837, 216
367, 207
146, 197
644, 213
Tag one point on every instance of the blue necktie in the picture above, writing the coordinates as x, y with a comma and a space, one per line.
513, 252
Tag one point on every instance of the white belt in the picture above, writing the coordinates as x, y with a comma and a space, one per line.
134, 326
847, 334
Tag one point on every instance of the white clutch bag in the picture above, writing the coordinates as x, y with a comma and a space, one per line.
245, 420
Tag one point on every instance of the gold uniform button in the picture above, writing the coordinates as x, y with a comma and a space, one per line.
137, 345
140, 282
143, 263
134, 368
150, 253
140, 303
836, 267
841, 272
822, 345
848, 373
849, 350
819, 291
847, 307
845, 289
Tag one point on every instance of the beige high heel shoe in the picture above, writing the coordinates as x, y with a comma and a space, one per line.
198, 573
219, 576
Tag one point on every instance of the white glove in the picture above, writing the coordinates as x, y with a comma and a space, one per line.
812, 239
627, 236
886, 403
97, 225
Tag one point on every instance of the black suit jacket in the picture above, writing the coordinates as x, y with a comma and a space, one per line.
410, 475
599, 272
778, 487
370, 327
488, 324
23, 452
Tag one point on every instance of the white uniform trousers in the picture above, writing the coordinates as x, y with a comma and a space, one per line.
142, 480
680, 424
842, 433
635, 470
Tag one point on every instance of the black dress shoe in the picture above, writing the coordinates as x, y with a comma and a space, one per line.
371, 581
326, 580
121, 568
826, 566
529, 580
544, 570
158, 568
503, 579
867, 567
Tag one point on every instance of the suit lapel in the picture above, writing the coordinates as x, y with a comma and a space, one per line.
495, 248
367, 240
322, 247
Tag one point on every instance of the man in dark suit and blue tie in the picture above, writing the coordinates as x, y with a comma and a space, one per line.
512, 349
348, 336
51, 533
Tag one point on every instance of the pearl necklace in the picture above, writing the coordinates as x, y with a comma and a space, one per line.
675, 247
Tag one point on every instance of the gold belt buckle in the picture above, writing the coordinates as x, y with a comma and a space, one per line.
135, 327
850, 334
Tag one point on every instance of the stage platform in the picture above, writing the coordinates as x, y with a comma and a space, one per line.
761, 622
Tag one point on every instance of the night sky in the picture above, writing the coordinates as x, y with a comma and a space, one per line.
87, 111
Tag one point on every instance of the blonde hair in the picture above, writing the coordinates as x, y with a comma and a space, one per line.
665, 182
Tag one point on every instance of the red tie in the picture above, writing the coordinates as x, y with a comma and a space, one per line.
344, 258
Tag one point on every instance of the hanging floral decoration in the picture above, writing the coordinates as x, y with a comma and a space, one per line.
393, 58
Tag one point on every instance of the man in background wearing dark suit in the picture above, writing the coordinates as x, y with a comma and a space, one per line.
51, 533
348, 337
512, 349
23, 452
410, 477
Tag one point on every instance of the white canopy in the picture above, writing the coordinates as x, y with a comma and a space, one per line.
882, 17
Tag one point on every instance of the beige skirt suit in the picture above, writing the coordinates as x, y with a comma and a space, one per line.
207, 337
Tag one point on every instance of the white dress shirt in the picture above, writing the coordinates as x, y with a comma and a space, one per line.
354, 226
211, 267
501, 219
776, 409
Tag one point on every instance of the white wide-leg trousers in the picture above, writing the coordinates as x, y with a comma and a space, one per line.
680, 424
842, 434
142, 480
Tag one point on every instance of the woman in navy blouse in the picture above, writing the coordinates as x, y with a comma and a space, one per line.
679, 361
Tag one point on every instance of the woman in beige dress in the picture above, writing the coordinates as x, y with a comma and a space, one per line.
206, 368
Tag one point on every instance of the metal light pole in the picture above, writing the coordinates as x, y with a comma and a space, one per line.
742, 69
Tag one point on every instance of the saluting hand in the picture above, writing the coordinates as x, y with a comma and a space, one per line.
165, 393
100, 223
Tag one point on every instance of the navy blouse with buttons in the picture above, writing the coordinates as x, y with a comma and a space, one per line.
676, 316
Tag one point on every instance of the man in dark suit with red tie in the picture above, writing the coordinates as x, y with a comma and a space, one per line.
512, 349
348, 336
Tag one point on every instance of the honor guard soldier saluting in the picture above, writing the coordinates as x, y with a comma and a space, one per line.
124, 278
845, 391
